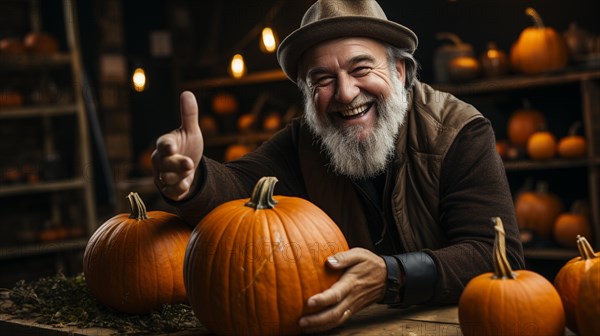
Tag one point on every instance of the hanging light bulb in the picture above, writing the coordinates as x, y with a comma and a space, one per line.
269, 40
237, 67
139, 80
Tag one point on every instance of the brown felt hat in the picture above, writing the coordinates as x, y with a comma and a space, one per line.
330, 19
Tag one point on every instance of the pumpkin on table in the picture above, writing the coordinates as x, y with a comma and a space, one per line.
568, 279
587, 308
507, 302
252, 264
539, 48
133, 263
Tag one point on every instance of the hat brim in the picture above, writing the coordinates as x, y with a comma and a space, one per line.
295, 44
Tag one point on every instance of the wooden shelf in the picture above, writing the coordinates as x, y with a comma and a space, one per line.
223, 140
42, 187
519, 82
42, 248
253, 78
33, 62
550, 253
550, 164
38, 111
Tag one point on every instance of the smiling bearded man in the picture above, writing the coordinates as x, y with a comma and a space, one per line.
351, 156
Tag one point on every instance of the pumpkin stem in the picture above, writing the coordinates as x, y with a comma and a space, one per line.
535, 16
574, 128
502, 269
262, 195
585, 249
138, 209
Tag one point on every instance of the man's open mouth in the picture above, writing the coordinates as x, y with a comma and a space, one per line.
355, 112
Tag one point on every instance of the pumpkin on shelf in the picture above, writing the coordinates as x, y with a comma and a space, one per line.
572, 146
133, 263
41, 43
568, 279
539, 48
251, 264
541, 145
537, 210
587, 308
272, 121
507, 302
246, 122
235, 151
523, 122
569, 225
12, 46
224, 103
208, 125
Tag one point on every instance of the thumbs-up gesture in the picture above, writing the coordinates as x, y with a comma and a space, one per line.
178, 153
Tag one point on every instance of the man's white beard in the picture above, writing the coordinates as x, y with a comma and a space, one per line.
349, 155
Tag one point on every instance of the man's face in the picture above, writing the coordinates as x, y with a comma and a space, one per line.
355, 102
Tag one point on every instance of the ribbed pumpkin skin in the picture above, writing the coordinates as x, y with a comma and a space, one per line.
587, 309
135, 266
567, 282
526, 305
250, 272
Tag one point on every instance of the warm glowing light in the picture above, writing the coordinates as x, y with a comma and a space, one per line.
269, 40
237, 68
139, 80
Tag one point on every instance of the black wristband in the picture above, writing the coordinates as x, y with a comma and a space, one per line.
392, 282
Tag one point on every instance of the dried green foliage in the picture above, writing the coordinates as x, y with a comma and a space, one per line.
63, 301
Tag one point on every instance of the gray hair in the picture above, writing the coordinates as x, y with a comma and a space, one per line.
410, 63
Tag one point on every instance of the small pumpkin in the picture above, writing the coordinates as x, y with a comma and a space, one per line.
208, 125
538, 209
12, 46
568, 279
11, 98
523, 122
507, 302
272, 121
224, 103
252, 264
572, 146
587, 308
236, 151
41, 43
569, 225
539, 48
541, 145
133, 263
246, 122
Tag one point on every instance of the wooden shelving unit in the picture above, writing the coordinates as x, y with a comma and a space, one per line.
587, 83
74, 185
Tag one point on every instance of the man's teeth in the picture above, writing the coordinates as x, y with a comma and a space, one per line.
355, 111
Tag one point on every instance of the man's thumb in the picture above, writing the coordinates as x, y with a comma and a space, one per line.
189, 112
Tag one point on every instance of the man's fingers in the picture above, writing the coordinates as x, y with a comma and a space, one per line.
165, 145
173, 163
189, 112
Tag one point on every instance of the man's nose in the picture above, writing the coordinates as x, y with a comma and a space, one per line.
346, 89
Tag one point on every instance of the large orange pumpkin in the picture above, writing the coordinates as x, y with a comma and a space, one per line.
568, 279
539, 48
523, 122
507, 302
587, 308
538, 209
252, 264
133, 263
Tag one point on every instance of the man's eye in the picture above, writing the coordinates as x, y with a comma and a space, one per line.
323, 81
361, 71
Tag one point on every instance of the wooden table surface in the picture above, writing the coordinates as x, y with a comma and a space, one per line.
374, 320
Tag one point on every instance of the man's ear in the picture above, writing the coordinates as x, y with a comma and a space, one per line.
401, 68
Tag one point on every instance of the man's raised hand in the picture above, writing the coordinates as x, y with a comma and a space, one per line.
178, 152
